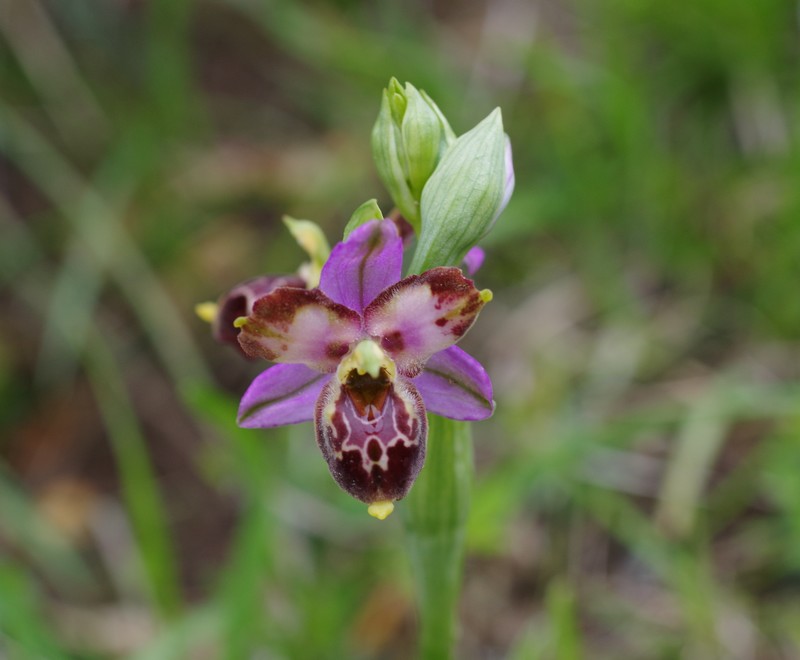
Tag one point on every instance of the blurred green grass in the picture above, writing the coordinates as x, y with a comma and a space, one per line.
637, 490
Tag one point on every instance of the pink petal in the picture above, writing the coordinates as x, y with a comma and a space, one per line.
300, 326
239, 302
422, 315
283, 394
455, 385
374, 452
364, 265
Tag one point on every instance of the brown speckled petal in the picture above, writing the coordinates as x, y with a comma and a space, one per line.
422, 315
239, 302
300, 326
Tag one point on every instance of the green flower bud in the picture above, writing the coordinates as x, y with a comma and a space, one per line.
409, 139
462, 199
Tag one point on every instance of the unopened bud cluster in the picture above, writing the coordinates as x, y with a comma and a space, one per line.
450, 189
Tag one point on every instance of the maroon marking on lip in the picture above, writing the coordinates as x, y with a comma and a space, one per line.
404, 464
365, 391
374, 450
404, 458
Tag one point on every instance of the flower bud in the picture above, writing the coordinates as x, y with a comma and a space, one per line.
469, 189
409, 139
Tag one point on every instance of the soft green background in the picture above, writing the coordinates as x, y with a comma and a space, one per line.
638, 490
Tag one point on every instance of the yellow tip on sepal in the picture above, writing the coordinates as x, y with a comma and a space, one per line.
381, 510
486, 295
207, 311
240, 322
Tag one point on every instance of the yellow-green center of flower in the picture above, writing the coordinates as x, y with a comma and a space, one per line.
366, 357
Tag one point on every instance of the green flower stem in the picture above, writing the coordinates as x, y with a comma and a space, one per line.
436, 516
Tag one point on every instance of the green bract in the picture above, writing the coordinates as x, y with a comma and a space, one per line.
464, 196
369, 210
409, 139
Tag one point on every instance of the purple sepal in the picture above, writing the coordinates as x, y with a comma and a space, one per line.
372, 435
239, 302
455, 385
473, 260
283, 394
360, 268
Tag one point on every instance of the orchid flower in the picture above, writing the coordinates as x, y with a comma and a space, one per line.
365, 355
